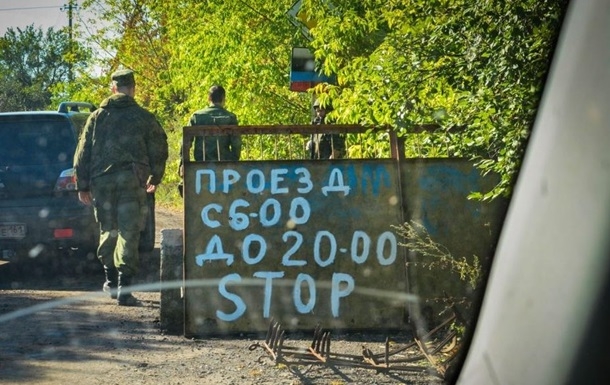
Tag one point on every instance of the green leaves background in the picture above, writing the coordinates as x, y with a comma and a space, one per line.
478, 66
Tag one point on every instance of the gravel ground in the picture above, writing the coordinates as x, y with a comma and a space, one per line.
61, 329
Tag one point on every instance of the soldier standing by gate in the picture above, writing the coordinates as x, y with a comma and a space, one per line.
323, 145
213, 148
120, 158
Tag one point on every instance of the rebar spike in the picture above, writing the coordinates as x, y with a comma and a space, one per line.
387, 352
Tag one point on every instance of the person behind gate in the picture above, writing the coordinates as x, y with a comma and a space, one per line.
120, 157
214, 148
324, 145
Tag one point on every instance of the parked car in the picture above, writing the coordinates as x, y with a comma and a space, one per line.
40, 213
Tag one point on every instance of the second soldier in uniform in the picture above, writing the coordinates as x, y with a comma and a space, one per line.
213, 148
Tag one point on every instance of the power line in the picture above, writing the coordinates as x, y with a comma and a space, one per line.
26, 8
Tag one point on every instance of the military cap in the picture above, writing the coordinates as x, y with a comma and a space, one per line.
123, 78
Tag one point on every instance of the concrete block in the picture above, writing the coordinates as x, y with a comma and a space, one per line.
171, 271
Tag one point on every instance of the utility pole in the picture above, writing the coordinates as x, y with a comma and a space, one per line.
70, 7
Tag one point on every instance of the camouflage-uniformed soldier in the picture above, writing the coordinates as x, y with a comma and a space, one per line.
323, 145
120, 158
214, 148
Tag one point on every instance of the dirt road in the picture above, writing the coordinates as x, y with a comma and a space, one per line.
61, 329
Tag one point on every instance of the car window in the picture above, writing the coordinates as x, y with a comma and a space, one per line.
24, 142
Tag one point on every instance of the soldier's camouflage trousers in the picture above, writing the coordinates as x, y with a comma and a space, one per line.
120, 209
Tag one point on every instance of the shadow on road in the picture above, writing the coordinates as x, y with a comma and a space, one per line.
69, 272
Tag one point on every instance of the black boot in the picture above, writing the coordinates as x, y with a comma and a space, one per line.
124, 297
110, 285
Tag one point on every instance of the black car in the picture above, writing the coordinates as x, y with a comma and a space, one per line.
39, 208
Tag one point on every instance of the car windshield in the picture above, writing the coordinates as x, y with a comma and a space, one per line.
340, 176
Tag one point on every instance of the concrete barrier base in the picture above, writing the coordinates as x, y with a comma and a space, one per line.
172, 300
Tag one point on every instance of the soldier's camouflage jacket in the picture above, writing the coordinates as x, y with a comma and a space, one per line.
225, 147
120, 135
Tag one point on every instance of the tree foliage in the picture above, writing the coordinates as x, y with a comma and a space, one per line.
181, 48
458, 63
479, 66
32, 62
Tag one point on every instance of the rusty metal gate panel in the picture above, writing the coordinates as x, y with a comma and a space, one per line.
298, 241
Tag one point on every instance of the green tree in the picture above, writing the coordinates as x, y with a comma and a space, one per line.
180, 48
32, 62
478, 65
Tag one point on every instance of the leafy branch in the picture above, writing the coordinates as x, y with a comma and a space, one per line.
418, 240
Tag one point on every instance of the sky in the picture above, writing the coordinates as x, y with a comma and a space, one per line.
42, 13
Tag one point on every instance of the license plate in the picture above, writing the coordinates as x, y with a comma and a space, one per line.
12, 230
